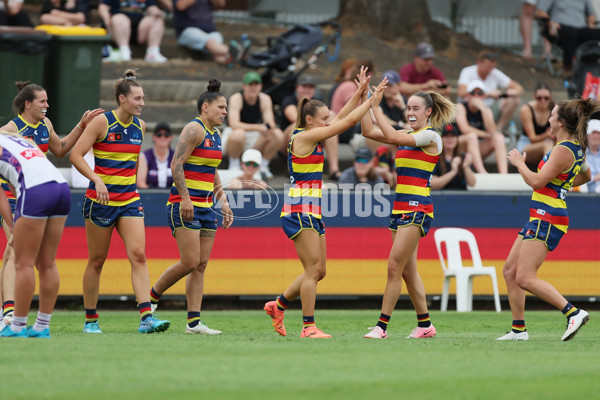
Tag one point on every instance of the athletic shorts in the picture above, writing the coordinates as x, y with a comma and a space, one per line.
196, 38
543, 231
106, 216
293, 224
44, 201
204, 219
12, 203
417, 218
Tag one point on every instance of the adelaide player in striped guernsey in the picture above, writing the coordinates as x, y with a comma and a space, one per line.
190, 211
31, 122
419, 150
301, 214
562, 168
112, 200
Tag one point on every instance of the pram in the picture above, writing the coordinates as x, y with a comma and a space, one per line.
587, 59
279, 60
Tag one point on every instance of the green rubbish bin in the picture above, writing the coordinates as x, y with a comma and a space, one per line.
72, 77
22, 55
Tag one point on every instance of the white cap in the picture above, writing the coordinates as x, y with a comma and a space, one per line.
252, 155
475, 84
593, 126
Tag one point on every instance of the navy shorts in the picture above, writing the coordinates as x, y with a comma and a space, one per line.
543, 231
12, 203
204, 219
293, 224
106, 216
417, 218
44, 201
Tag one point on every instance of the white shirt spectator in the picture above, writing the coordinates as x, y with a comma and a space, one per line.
494, 81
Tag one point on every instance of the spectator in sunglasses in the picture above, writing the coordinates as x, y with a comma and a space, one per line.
154, 170
480, 136
499, 90
363, 170
537, 138
251, 162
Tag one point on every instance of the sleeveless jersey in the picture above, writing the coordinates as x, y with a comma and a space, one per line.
24, 165
548, 203
199, 169
115, 158
38, 133
414, 167
306, 176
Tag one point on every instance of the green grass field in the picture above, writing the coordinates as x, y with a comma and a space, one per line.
250, 361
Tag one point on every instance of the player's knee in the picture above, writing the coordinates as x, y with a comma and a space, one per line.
393, 273
201, 266
137, 256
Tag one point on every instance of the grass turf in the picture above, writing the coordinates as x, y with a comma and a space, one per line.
250, 361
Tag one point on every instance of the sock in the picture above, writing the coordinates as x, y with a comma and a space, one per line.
125, 52
152, 50
265, 164
42, 321
383, 321
518, 326
7, 307
282, 303
423, 320
145, 311
234, 163
308, 321
193, 318
18, 324
91, 315
154, 297
570, 310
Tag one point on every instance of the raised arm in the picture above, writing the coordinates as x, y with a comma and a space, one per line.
60, 147
362, 86
190, 137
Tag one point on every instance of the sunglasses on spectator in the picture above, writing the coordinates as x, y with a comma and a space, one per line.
542, 98
251, 164
161, 134
477, 93
362, 160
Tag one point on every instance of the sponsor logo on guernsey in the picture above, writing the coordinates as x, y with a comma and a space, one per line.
541, 212
580, 153
413, 203
136, 137
31, 153
208, 143
115, 137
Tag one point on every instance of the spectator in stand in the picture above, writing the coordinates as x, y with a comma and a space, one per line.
393, 104
64, 12
12, 14
592, 154
252, 124
363, 170
572, 22
195, 28
347, 71
537, 138
526, 27
421, 75
342, 94
251, 161
494, 82
154, 164
130, 21
305, 88
453, 170
474, 118
384, 160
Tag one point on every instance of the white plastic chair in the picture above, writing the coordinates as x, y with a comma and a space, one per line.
455, 269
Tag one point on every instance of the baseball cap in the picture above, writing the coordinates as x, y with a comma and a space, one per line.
475, 84
252, 155
162, 126
252, 76
392, 76
450, 129
363, 155
593, 126
306, 80
424, 50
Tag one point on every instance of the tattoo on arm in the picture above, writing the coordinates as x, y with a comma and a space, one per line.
185, 146
205, 233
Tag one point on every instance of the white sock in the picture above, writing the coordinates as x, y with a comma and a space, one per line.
18, 324
125, 52
153, 50
265, 164
234, 163
42, 321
